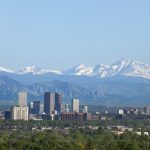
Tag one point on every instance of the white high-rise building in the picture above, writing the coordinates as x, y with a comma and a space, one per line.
20, 112
22, 98
75, 105
85, 109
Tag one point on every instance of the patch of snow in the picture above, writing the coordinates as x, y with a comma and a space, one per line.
2, 69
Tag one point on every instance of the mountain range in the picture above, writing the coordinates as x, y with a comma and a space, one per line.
126, 82
123, 67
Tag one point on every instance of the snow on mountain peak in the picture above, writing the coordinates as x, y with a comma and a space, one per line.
29, 69
80, 70
45, 71
37, 70
123, 67
80, 66
137, 69
2, 69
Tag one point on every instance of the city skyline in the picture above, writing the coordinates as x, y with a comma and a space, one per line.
62, 35
75, 75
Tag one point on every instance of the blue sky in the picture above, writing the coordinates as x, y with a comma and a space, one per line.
63, 33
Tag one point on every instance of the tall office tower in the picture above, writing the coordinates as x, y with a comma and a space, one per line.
34, 107
19, 112
58, 102
49, 103
22, 98
31, 108
85, 109
75, 105
147, 110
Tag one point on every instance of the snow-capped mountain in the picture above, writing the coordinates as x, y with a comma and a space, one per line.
30, 69
137, 69
126, 68
122, 67
80, 70
37, 70
2, 69
114, 69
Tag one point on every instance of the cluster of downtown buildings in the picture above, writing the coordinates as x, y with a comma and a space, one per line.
135, 111
143, 112
53, 109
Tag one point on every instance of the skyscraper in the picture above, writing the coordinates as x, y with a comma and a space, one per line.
49, 103
75, 105
19, 112
31, 108
22, 98
58, 102
34, 107
85, 109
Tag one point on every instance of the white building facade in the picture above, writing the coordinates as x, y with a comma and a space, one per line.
75, 105
20, 112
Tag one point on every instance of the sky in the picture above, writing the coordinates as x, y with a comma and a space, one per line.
64, 33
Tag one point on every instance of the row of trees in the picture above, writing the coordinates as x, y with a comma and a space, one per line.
144, 124
75, 139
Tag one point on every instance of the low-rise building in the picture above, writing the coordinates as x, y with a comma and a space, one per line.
72, 116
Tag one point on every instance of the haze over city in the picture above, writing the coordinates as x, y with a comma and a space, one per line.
60, 35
